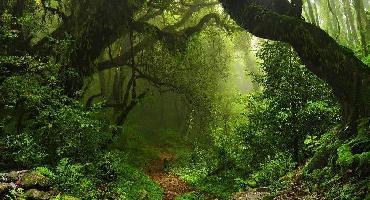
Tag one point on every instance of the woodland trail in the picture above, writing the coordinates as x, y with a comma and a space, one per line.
172, 185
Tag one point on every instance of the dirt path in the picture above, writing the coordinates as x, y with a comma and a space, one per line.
172, 185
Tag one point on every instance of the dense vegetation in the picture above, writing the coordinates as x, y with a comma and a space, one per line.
107, 99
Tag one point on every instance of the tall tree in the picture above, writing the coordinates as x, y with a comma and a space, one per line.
366, 4
363, 24
334, 19
312, 13
92, 32
350, 21
337, 66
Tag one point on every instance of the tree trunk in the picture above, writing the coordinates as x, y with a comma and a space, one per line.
363, 28
311, 13
18, 8
316, 12
329, 21
337, 66
92, 33
333, 19
366, 5
352, 31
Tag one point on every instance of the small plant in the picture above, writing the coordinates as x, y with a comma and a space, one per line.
46, 172
28, 151
191, 196
16, 194
71, 179
271, 171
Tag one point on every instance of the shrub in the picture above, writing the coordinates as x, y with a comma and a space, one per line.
191, 196
271, 171
109, 177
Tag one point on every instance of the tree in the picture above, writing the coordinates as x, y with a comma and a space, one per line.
298, 104
337, 66
312, 14
363, 25
115, 33
350, 22
93, 32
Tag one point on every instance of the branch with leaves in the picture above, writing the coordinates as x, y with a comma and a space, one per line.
337, 66
160, 35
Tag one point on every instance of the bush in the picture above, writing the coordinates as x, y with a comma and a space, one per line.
25, 150
109, 177
191, 196
46, 172
339, 168
271, 171
41, 125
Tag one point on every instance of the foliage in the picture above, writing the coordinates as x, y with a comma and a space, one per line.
72, 180
342, 172
45, 172
229, 140
38, 123
108, 177
209, 170
191, 196
269, 173
47, 124
294, 104
262, 141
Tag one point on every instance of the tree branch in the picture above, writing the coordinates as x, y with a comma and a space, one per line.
158, 34
159, 83
337, 66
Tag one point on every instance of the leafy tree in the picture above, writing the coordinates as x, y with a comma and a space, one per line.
338, 67
294, 105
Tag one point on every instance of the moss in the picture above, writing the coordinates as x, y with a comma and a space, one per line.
34, 179
36, 194
65, 197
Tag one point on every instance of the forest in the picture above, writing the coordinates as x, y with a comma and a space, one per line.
185, 99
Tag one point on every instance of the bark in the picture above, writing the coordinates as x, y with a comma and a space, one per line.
337, 66
116, 93
18, 8
90, 100
296, 8
102, 83
337, 8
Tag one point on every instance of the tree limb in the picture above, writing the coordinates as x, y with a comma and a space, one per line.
157, 35
337, 66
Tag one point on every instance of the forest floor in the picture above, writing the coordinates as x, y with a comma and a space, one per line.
171, 184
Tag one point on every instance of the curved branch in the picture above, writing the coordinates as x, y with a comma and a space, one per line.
158, 83
337, 66
157, 35
198, 27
